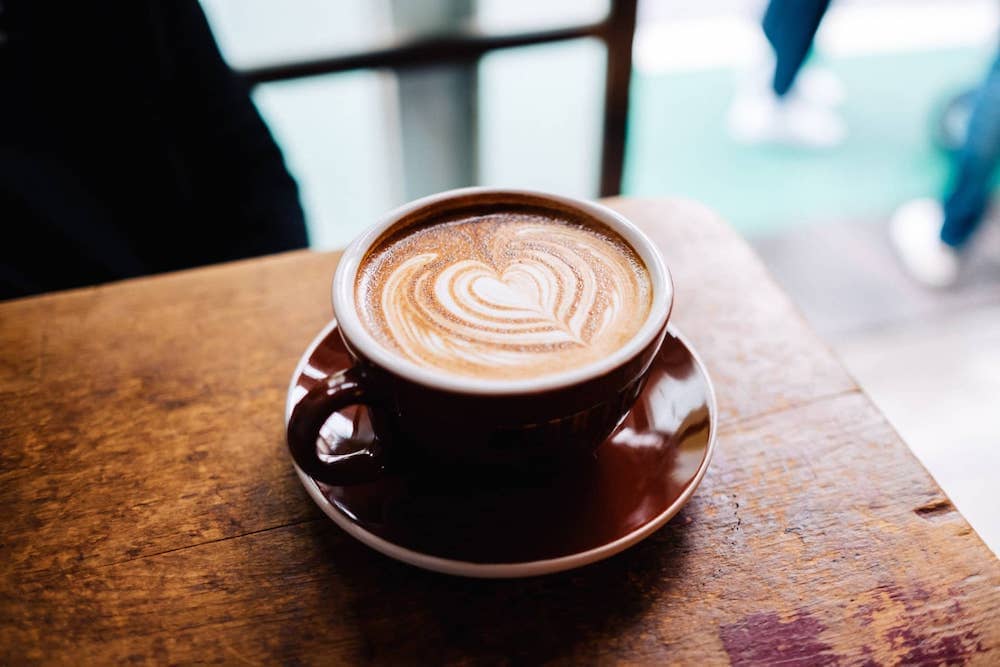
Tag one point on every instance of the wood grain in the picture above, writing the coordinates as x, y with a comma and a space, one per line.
152, 514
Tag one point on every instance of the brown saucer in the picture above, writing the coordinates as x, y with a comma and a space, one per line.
537, 523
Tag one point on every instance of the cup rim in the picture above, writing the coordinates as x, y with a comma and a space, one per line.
363, 343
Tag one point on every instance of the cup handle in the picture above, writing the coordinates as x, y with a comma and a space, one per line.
337, 391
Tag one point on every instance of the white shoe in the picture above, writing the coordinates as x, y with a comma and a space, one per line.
763, 118
819, 85
915, 232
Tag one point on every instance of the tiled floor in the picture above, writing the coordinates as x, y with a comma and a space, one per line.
929, 359
939, 385
845, 278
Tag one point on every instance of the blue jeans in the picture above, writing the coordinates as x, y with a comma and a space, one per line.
790, 26
969, 193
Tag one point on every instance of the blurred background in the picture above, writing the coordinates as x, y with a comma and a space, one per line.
551, 116
532, 116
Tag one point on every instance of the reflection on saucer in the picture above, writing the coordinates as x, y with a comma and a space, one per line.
537, 522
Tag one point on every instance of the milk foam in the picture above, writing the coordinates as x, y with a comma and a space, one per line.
505, 295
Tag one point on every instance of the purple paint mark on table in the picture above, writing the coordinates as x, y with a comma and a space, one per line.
765, 639
946, 650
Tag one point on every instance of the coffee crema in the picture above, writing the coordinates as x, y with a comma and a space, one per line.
503, 295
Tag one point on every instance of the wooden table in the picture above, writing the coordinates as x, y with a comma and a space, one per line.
151, 513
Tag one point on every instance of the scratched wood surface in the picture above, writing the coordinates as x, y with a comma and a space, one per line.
151, 514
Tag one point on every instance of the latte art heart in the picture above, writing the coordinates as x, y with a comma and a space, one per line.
504, 296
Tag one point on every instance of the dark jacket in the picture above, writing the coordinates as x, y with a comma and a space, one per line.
127, 146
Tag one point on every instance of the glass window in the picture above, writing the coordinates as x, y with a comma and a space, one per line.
254, 33
541, 112
361, 143
340, 141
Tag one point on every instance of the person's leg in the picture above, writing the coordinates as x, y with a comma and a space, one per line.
763, 111
790, 26
970, 189
928, 232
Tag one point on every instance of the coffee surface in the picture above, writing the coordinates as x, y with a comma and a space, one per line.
503, 295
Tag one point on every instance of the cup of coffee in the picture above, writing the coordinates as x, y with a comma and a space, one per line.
489, 329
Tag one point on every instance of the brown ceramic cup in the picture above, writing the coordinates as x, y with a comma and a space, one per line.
421, 415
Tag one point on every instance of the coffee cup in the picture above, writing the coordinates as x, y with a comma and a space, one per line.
489, 329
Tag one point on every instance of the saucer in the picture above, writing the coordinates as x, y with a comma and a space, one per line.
636, 481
